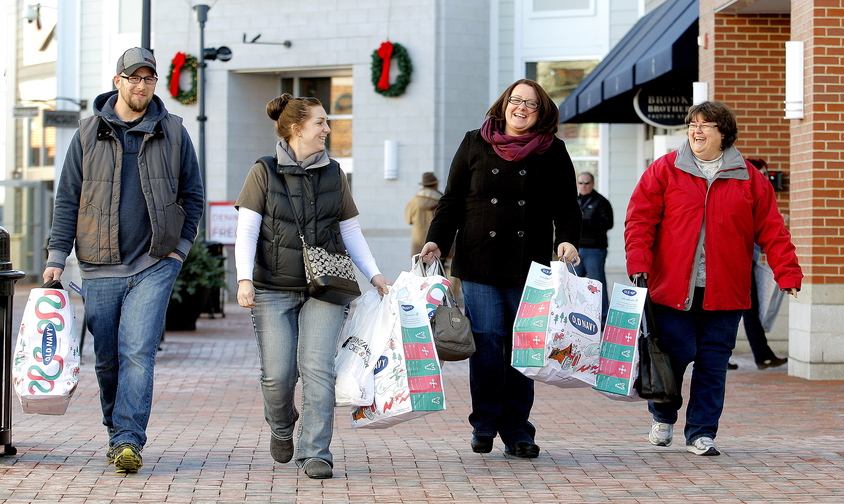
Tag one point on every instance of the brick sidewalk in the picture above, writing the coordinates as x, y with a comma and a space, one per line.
782, 438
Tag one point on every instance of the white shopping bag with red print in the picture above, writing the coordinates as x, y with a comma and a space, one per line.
557, 333
45, 370
407, 376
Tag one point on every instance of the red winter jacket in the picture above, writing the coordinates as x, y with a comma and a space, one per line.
664, 222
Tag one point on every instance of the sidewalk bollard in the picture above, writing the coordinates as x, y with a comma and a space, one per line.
8, 277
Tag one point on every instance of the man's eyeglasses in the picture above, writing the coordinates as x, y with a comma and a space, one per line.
134, 79
702, 126
584, 183
531, 104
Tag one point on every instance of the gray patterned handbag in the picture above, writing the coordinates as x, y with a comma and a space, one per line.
331, 277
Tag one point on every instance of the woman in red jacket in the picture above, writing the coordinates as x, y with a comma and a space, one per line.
690, 229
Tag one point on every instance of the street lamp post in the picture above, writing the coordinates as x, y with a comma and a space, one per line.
222, 53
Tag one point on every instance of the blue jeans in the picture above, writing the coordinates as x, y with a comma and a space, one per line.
706, 338
502, 397
297, 336
592, 261
126, 318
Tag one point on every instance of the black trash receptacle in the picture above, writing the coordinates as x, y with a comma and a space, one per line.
8, 277
215, 302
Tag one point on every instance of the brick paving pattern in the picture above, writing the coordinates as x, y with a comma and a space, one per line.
782, 440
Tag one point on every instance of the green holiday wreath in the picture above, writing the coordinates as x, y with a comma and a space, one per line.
379, 65
186, 97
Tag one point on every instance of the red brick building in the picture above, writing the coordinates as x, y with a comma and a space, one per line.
742, 57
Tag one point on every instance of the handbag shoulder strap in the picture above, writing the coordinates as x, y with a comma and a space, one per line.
269, 162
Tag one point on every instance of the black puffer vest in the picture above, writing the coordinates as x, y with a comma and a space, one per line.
316, 196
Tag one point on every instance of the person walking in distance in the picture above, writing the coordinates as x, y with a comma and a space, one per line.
756, 337
419, 211
597, 220
129, 199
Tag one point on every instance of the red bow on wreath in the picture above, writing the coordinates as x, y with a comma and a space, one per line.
178, 63
385, 52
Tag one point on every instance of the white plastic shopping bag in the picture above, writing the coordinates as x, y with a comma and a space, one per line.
45, 371
557, 333
407, 376
362, 341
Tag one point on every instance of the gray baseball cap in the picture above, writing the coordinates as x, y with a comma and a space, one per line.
135, 58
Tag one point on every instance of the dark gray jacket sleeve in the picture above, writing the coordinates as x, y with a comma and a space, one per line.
66, 207
191, 193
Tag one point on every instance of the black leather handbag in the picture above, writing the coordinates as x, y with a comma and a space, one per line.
656, 378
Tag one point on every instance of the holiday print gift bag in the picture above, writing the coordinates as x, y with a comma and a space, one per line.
619, 362
408, 377
45, 370
556, 335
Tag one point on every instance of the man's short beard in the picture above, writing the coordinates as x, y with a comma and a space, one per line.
135, 107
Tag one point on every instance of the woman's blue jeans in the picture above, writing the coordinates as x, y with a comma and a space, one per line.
706, 338
502, 397
126, 318
297, 336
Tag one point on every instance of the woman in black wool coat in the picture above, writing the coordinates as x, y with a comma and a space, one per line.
511, 199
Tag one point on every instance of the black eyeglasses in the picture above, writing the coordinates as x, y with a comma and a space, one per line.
531, 104
134, 79
584, 183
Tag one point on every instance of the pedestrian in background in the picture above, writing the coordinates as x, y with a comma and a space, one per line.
762, 353
419, 211
597, 220
691, 224
297, 335
511, 199
130, 197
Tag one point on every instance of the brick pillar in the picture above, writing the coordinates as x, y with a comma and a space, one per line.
742, 56
816, 332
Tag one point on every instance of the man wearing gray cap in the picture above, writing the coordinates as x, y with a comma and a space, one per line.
129, 199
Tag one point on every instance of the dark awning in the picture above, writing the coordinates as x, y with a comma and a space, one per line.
661, 48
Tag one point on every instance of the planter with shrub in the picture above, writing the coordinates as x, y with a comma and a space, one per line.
202, 272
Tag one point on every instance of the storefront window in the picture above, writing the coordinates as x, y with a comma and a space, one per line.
559, 79
42, 144
335, 94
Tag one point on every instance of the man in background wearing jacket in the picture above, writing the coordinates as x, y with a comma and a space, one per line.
597, 220
129, 199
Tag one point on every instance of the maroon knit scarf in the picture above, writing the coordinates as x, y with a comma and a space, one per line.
515, 148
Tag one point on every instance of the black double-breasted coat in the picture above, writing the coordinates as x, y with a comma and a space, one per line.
505, 214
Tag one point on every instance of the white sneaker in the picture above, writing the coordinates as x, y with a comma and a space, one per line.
661, 434
703, 446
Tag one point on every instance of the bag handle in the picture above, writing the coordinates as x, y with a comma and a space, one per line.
437, 266
52, 284
648, 315
416, 262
